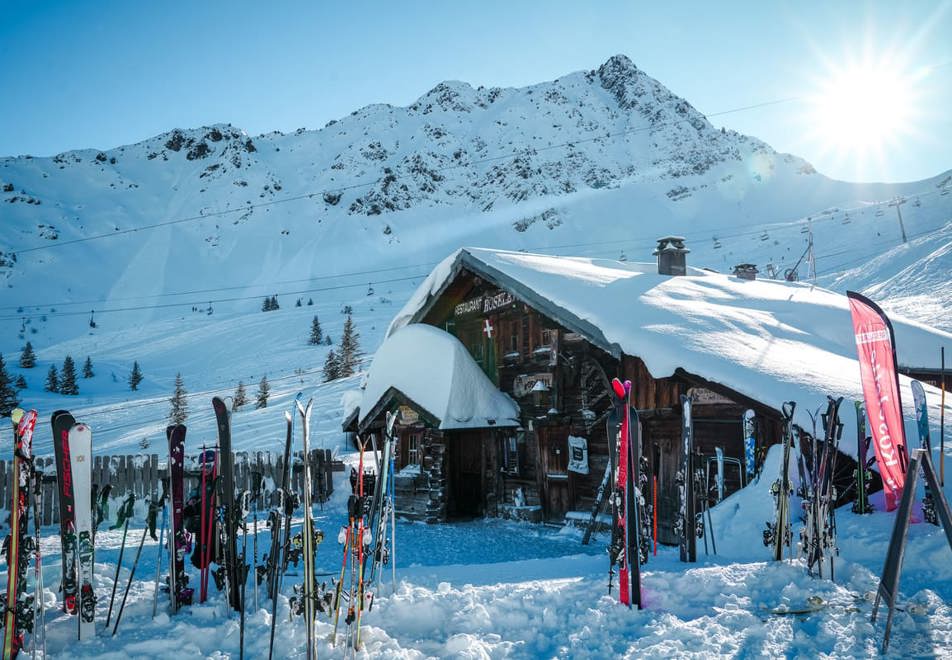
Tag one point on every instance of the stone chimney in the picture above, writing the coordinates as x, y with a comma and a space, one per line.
672, 255
746, 271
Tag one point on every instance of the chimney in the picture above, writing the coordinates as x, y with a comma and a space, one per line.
672, 255
746, 271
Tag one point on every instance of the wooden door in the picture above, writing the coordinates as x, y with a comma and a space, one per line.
465, 472
556, 481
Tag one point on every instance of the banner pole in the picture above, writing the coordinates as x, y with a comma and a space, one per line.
942, 422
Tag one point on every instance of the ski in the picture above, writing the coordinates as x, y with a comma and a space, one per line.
81, 459
626, 546
227, 499
273, 568
750, 445
861, 503
922, 424
309, 594
179, 538
18, 604
778, 533
61, 423
685, 527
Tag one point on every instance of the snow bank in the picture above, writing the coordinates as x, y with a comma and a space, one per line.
434, 370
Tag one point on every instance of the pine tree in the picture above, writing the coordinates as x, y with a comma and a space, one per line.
27, 357
310, 302
52, 380
298, 303
8, 395
331, 366
67, 384
266, 305
274, 302
349, 349
88, 368
261, 400
317, 335
20, 382
135, 377
240, 398
328, 341
178, 404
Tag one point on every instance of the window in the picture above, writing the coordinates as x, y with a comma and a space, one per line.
514, 337
510, 455
413, 449
547, 336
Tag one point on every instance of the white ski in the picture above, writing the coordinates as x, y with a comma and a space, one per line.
80, 458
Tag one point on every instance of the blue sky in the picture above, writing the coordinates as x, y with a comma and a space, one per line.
100, 74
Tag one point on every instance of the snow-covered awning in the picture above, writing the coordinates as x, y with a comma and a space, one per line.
768, 340
434, 370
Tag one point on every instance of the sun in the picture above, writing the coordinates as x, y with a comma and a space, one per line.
864, 107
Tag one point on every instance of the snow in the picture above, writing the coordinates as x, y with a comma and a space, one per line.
771, 341
434, 370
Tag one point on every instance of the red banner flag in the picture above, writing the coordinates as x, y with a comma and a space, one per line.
876, 347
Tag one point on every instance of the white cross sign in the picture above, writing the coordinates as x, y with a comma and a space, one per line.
488, 329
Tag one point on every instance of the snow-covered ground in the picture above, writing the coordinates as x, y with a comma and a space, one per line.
494, 589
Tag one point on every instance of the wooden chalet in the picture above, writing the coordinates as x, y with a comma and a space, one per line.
555, 364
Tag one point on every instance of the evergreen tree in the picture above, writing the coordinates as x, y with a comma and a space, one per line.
261, 400
178, 404
27, 357
88, 368
135, 377
328, 341
52, 380
317, 335
8, 395
240, 398
67, 384
298, 303
310, 302
331, 366
266, 305
349, 349
20, 382
274, 302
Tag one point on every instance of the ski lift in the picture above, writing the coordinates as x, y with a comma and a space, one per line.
805, 229
880, 212
92, 318
846, 219
765, 236
717, 244
622, 256
945, 192
370, 289
210, 310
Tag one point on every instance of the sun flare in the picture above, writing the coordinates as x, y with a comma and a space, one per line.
860, 109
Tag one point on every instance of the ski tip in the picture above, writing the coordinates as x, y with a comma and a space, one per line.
618, 387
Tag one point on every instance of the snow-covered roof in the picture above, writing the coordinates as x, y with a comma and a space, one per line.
435, 371
772, 341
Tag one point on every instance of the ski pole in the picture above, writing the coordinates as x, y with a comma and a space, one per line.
201, 530
132, 573
39, 609
122, 517
159, 555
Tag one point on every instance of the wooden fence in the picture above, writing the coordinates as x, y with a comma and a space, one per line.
141, 475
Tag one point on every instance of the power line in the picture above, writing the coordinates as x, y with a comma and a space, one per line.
370, 182
760, 227
199, 303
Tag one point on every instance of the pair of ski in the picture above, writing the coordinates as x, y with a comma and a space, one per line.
21, 611
278, 556
72, 446
628, 548
353, 539
779, 533
818, 492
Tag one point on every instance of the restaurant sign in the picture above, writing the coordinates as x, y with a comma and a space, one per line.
484, 304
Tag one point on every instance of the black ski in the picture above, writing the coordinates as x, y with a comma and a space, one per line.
227, 499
